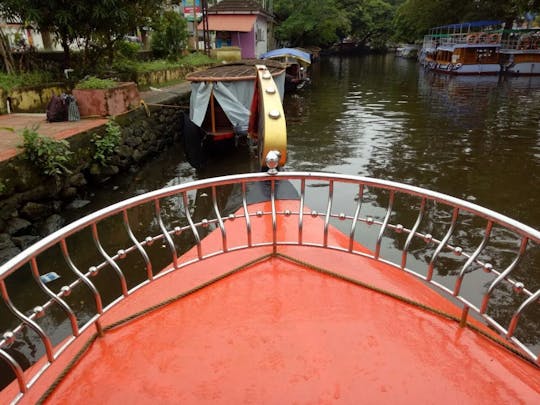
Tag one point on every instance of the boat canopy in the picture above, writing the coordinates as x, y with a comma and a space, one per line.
288, 52
473, 24
234, 97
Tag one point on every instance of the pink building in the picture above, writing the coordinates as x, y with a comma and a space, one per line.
247, 24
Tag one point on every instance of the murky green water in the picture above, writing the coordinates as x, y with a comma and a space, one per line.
476, 138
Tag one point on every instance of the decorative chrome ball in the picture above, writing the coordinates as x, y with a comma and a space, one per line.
274, 114
9, 337
39, 311
93, 270
272, 160
518, 287
65, 290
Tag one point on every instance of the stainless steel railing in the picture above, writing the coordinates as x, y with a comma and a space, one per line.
442, 240
464, 38
523, 41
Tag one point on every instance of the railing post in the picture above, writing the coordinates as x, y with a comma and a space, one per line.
464, 316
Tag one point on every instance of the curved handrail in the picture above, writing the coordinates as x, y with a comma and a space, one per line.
359, 185
485, 213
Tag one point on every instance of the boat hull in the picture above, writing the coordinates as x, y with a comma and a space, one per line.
482, 48
524, 69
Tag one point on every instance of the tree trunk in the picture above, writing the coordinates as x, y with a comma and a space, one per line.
110, 51
508, 25
67, 55
47, 40
5, 52
144, 39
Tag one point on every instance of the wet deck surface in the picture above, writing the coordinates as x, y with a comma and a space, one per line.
12, 125
301, 325
278, 333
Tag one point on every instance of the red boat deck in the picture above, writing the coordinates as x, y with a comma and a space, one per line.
300, 325
276, 332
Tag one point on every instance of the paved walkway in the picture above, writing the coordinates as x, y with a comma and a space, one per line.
12, 125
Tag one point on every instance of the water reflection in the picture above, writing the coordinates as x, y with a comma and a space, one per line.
476, 138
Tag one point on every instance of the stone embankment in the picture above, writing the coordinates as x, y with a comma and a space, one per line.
31, 203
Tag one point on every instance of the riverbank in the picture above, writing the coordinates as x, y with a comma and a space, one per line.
31, 203
12, 125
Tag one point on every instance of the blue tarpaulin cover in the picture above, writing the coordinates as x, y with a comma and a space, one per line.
471, 24
284, 52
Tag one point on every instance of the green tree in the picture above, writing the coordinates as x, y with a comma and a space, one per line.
415, 17
170, 35
5, 53
371, 20
310, 22
101, 22
111, 20
325, 21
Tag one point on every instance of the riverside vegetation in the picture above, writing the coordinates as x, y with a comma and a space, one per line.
50, 176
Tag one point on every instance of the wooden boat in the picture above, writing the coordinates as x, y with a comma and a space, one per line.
408, 51
520, 52
297, 62
463, 49
225, 106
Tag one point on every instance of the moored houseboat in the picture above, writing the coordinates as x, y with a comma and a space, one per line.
520, 52
464, 48
297, 62
226, 107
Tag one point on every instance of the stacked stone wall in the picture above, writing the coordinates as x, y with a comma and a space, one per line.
31, 206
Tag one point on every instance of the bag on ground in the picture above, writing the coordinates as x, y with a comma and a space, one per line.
73, 108
57, 109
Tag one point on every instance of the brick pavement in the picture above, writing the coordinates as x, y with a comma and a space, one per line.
12, 125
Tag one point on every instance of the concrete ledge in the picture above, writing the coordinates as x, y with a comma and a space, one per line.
34, 99
104, 102
30, 99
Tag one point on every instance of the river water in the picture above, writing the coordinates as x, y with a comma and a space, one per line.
475, 138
